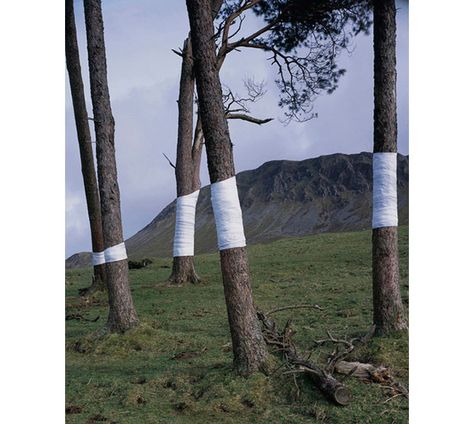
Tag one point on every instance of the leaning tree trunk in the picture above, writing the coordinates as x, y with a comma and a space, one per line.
122, 314
247, 341
85, 146
186, 170
387, 303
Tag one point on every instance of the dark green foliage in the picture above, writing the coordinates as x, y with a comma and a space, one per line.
326, 20
175, 367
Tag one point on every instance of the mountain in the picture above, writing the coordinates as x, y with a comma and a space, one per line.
79, 260
281, 199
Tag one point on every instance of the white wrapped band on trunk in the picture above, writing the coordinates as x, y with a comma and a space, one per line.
98, 258
227, 213
115, 253
385, 213
111, 254
184, 230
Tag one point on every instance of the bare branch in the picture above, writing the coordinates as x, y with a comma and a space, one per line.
236, 107
248, 118
179, 53
241, 20
168, 159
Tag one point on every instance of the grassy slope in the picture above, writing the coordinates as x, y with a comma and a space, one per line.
134, 379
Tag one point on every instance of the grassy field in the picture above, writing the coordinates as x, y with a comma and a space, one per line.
176, 366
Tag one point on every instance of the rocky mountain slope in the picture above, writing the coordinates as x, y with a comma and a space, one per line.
281, 199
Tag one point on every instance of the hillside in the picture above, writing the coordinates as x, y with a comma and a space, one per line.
176, 367
281, 199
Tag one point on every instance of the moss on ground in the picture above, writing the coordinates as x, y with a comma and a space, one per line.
176, 366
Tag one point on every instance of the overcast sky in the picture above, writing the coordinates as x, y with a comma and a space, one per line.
143, 78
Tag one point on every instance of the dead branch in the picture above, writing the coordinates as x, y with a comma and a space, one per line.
367, 372
329, 386
302, 306
248, 118
169, 161
349, 345
364, 371
179, 53
236, 107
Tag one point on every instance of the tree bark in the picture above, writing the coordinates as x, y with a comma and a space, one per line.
249, 347
183, 271
387, 302
122, 314
187, 170
189, 151
85, 146
333, 389
359, 369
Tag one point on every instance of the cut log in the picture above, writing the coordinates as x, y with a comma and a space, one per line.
363, 371
333, 389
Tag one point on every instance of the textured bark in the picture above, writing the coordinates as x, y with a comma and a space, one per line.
183, 271
334, 390
385, 77
85, 146
249, 347
197, 152
248, 344
359, 369
187, 170
387, 303
122, 314
184, 152
388, 306
189, 151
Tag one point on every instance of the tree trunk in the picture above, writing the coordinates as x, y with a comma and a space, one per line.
85, 146
183, 271
249, 347
189, 151
387, 303
122, 314
187, 181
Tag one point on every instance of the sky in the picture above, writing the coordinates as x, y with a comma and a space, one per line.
143, 75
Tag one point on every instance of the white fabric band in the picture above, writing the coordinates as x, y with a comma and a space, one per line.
227, 213
385, 213
115, 253
98, 258
184, 229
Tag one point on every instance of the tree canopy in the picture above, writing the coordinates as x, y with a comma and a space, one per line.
304, 38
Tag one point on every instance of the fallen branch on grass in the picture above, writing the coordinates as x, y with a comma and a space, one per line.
363, 371
302, 306
329, 386
349, 345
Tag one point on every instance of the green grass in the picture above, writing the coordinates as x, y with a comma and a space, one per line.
176, 366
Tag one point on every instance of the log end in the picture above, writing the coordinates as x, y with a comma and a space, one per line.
342, 396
